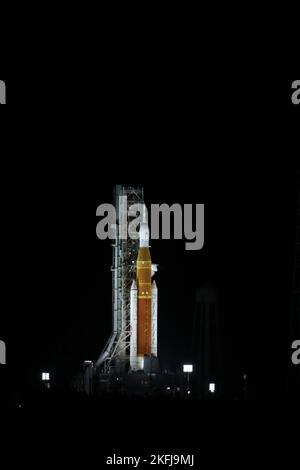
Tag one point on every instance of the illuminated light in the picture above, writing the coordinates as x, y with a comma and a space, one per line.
212, 387
168, 388
188, 392
188, 368
45, 376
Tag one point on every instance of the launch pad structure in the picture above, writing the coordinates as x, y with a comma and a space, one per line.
116, 356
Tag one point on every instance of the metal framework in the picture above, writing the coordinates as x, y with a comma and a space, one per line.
116, 354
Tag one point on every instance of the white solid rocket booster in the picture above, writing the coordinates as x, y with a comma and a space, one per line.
154, 320
133, 326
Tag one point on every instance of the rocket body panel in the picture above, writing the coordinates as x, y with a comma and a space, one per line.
144, 302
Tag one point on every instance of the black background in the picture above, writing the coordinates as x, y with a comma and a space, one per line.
194, 106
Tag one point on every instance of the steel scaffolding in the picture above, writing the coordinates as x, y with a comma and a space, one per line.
116, 353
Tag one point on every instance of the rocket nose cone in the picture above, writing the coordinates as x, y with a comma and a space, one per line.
144, 235
133, 285
145, 215
154, 286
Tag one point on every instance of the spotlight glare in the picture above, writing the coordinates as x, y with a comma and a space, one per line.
45, 376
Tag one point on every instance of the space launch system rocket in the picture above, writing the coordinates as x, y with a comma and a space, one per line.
143, 304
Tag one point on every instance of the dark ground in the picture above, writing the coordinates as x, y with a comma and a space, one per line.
77, 430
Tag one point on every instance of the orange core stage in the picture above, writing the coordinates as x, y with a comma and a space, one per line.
144, 302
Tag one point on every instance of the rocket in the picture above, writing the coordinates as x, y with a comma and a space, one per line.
143, 304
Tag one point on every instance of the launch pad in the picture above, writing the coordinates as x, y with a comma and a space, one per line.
142, 383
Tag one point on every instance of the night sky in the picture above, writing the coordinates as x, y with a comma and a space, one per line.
190, 110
